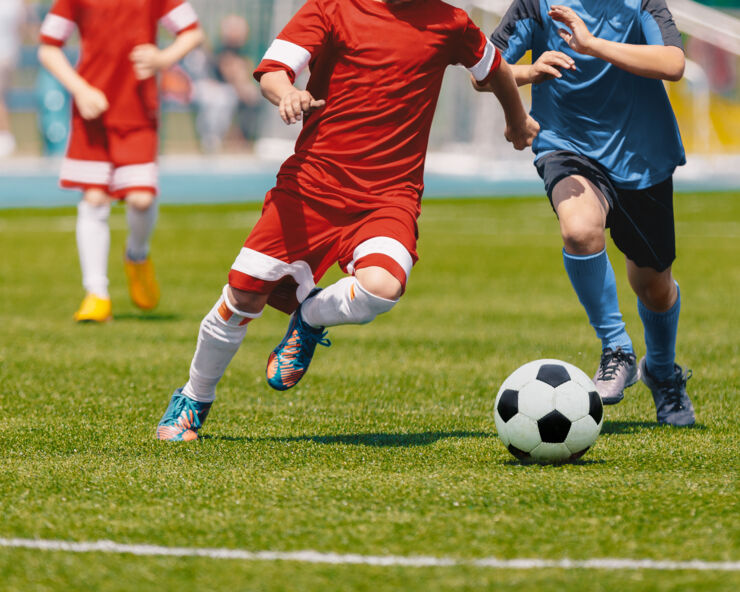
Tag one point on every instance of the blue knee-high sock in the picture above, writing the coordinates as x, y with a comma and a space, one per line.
593, 280
661, 329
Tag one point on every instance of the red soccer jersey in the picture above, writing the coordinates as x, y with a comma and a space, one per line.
380, 67
109, 30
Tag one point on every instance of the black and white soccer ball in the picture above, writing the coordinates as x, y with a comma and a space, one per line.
548, 411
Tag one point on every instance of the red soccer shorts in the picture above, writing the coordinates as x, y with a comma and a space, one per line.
293, 244
117, 161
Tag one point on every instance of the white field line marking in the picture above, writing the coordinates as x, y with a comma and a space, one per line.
377, 560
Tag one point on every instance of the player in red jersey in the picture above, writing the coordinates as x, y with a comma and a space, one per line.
112, 150
351, 192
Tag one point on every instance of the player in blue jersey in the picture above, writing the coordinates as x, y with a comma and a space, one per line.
608, 146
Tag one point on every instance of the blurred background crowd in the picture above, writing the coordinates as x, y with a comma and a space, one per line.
212, 105
210, 101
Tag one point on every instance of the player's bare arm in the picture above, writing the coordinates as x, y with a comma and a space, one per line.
548, 66
148, 59
650, 61
292, 103
521, 129
90, 101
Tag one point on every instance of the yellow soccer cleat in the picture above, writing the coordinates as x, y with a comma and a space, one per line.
142, 283
94, 309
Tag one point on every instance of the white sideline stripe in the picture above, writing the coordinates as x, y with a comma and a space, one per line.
378, 560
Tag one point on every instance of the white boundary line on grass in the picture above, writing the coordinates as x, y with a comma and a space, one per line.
377, 560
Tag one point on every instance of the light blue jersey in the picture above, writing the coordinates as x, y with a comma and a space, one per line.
623, 121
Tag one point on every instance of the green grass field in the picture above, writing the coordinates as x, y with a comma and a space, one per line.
387, 447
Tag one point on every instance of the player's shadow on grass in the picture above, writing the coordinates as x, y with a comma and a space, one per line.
371, 439
633, 427
148, 317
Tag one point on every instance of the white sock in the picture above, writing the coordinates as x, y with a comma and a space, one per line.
221, 333
344, 303
140, 226
7, 143
93, 245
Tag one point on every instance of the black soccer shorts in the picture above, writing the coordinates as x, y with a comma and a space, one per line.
640, 221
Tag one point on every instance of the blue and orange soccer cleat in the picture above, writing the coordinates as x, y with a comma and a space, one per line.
289, 361
182, 419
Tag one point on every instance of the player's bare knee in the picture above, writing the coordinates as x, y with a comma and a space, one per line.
379, 282
363, 305
248, 302
95, 196
583, 239
140, 200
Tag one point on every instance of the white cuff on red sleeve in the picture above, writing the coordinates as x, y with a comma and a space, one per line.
179, 18
57, 27
292, 55
482, 69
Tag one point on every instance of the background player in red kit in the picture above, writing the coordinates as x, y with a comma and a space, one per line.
351, 192
113, 145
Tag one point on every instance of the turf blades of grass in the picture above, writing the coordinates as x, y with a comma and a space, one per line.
388, 445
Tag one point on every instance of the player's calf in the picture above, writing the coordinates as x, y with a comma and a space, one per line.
93, 243
221, 333
346, 302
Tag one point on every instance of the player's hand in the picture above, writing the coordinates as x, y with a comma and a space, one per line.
478, 87
147, 60
91, 102
522, 135
549, 65
579, 38
294, 104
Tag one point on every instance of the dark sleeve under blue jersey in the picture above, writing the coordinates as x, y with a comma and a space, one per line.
513, 36
657, 24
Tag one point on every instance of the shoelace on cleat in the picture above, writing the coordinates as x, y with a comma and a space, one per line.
674, 387
301, 356
186, 416
611, 360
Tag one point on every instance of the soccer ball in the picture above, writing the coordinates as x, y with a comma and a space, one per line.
548, 411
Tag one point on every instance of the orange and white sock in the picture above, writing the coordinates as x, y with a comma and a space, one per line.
221, 333
345, 302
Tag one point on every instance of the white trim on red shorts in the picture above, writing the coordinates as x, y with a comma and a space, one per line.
383, 245
269, 269
179, 18
88, 172
135, 175
292, 55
